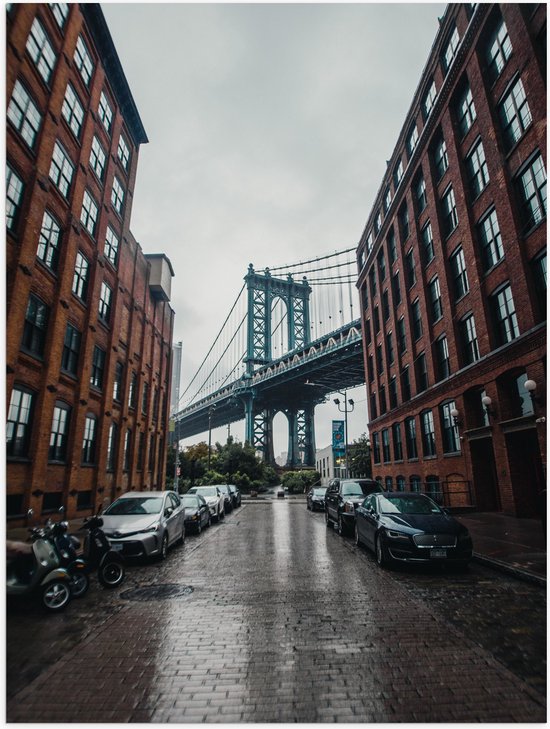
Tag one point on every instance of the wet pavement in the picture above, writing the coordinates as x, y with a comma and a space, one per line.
272, 617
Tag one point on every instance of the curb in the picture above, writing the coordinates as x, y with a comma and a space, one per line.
517, 572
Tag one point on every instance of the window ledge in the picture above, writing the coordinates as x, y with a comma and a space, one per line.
452, 454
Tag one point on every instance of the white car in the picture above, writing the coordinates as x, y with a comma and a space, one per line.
214, 498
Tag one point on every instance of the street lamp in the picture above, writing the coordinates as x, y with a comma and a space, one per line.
351, 404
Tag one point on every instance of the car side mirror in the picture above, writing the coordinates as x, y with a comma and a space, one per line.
168, 511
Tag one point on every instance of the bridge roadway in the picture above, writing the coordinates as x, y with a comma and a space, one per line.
304, 376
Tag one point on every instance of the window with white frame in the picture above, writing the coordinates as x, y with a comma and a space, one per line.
515, 115
450, 214
59, 434
504, 312
72, 110
443, 360
460, 276
428, 433
466, 111
398, 172
123, 152
441, 158
412, 139
435, 299
14, 196
23, 114
478, 171
531, 185
83, 60
499, 50
490, 240
71, 350
61, 170
468, 337
111, 446
117, 195
105, 302
89, 212
19, 422
387, 199
48, 241
89, 440
80, 276
60, 12
427, 240
97, 158
450, 49
105, 112
112, 244
429, 99
98, 367
35, 326
421, 195
449, 428
41, 50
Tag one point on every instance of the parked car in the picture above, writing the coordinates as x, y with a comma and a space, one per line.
197, 513
235, 495
341, 498
145, 524
280, 493
409, 527
316, 498
213, 497
228, 499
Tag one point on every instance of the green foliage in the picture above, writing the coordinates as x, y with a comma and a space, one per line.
298, 482
359, 457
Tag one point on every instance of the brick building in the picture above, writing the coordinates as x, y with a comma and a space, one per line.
89, 326
452, 269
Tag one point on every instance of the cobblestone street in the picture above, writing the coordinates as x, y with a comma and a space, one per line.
271, 617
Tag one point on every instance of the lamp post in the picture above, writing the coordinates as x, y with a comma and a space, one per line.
351, 403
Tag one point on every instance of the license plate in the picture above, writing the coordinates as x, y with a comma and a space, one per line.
117, 547
438, 553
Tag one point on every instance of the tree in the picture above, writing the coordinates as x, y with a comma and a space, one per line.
298, 482
359, 458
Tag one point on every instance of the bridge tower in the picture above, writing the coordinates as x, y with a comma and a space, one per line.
262, 290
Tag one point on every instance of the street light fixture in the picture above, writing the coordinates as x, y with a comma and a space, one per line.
346, 409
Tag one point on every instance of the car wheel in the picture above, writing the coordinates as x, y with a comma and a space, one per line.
222, 514
181, 540
341, 527
382, 557
358, 541
164, 547
209, 522
199, 527
56, 595
327, 519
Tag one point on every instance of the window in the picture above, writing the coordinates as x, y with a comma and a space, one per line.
61, 170
118, 382
372, 282
111, 246
14, 502
504, 313
400, 481
410, 438
105, 302
382, 397
410, 275
478, 172
450, 215
60, 12
41, 50
421, 195
428, 433
18, 427
376, 319
89, 440
23, 114
401, 336
442, 358
387, 199
98, 368
97, 158
450, 49
14, 195
441, 158
370, 368
117, 195
369, 242
385, 305
386, 445
59, 434
48, 241
538, 265
88, 214
397, 443
392, 390
80, 277
388, 483
415, 484
416, 317
373, 410
378, 222
83, 60
379, 359
123, 152
460, 277
376, 447
404, 226
389, 348
145, 397
111, 447
515, 115
421, 373
105, 112
426, 237
398, 173
362, 259
132, 391
34, 329
84, 500
72, 110
392, 250
490, 240
405, 384
412, 139
468, 337
449, 429
141, 451
71, 350
151, 466
368, 334
499, 50
466, 111
532, 191
381, 265
51, 502
429, 100
396, 289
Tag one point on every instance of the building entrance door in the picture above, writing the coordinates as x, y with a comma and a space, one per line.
526, 473
484, 474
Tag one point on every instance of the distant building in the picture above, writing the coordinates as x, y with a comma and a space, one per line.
282, 459
324, 464
452, 269
89, 326
176, 378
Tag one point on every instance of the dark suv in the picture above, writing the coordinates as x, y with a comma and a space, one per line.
341, 498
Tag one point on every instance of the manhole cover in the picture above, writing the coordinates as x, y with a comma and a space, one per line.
157, 592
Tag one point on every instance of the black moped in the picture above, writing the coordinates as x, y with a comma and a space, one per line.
98, 554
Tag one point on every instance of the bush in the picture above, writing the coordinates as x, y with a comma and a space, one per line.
298, 482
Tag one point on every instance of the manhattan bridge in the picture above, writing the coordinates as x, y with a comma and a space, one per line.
291, 337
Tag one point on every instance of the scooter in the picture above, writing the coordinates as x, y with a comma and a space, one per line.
67, 545
99, 555
39, 573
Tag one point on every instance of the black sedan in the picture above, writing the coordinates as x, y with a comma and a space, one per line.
197, 513
316, 498
409, 527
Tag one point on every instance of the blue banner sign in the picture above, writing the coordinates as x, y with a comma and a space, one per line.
338, 442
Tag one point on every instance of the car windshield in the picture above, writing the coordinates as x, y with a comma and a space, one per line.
319, 492
358, 488
407, 505
142, 505
224, 489
204, 490
190, 500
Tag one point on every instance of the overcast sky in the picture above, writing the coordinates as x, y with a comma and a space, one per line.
269, 128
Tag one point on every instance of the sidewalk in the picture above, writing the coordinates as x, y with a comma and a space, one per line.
515, 545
